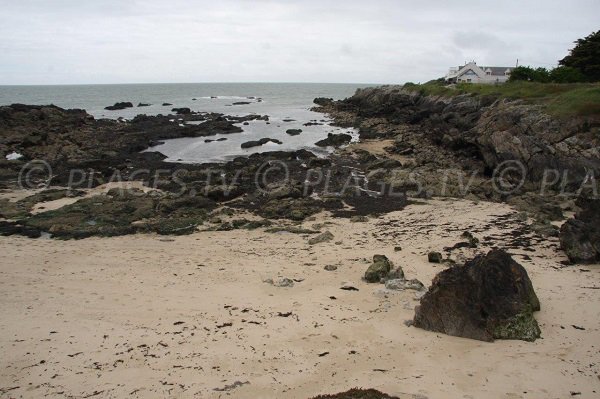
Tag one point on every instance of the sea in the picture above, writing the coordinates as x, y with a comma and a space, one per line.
287, 105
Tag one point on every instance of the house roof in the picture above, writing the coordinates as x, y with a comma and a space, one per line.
497, 71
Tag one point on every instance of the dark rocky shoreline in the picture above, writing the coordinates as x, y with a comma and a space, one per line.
547, 165
472, 136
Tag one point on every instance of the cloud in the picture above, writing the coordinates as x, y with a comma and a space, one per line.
381, 41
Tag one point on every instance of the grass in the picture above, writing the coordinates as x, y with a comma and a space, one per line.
558, 99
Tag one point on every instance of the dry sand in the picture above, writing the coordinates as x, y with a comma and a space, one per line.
147, 316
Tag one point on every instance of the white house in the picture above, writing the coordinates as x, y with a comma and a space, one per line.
473, 73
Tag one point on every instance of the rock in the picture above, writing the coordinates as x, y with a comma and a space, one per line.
241, 103
293, 132
490, 297
545, 229
379, 269
143, 105
323, 101
473, 241
318, 163
400, 284
182, 111
15, 228
580, 236
335, 140
119, 106
396, 273
323, 237
434, 257
288, 190
359, 219
361, 394
263, 141
397, 249
331, 268
281, 282
166, 104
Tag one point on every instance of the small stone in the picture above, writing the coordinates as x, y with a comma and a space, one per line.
282, 282
397, 249
397, 273
359, 219
379, 269
323, 237
434, 257
401, 285
330, 268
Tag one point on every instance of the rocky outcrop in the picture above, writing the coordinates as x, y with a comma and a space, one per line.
334, 140
490, 297
580, 236
294, 132
119, 106
480, 131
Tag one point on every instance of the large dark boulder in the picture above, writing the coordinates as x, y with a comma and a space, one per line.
490, 297
580, 236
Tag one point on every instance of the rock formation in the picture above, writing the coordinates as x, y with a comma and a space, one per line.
490, 297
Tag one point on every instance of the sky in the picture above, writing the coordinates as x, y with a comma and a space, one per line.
349, 41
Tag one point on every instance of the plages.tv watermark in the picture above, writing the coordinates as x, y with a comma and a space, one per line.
508, 178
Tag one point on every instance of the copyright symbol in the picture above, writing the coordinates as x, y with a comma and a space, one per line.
261, 178
35, 174
509, 177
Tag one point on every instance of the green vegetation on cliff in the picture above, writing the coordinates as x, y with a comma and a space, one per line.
565, 100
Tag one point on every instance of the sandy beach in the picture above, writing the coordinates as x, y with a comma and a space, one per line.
148, 316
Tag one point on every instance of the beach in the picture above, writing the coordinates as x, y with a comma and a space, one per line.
192, 316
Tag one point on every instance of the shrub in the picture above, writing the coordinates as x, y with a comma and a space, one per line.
565, 74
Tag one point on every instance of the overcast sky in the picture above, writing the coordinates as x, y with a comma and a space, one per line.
375, 41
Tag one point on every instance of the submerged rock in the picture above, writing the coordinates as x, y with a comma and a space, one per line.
379, 269
256, 143
293, 132
490, 297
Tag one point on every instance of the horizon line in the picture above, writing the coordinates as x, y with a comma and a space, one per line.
182, 83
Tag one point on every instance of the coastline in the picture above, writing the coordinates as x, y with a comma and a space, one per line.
109, 308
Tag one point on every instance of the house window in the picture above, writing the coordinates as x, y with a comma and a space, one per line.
468, 80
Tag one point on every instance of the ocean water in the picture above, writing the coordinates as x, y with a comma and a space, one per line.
280, 101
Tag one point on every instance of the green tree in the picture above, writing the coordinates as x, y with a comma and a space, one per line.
530, 74
565, 74
585, 57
